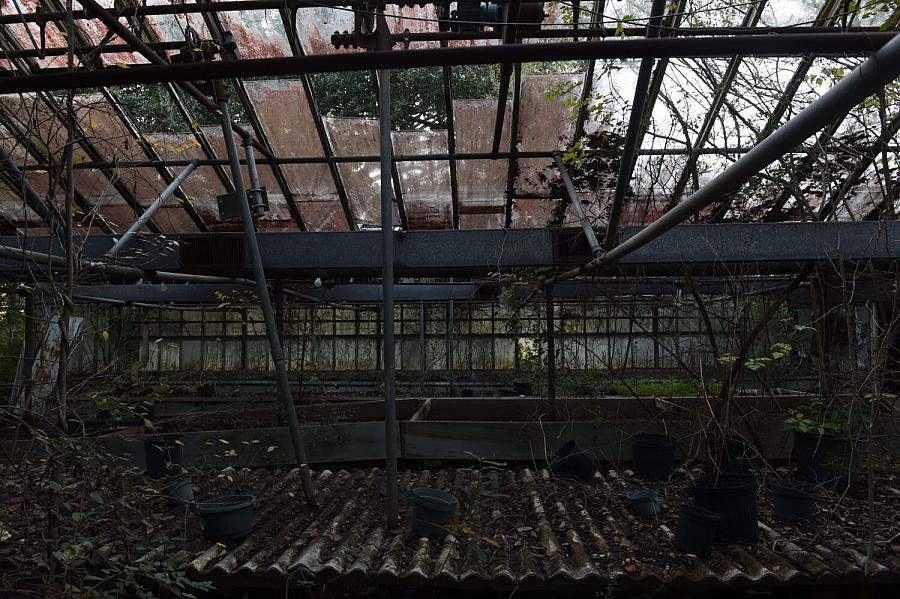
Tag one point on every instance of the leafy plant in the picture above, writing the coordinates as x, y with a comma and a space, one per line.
818, 417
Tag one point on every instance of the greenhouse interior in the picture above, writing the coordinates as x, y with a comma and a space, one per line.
444, 299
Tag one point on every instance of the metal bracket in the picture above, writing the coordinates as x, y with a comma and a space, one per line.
230, 209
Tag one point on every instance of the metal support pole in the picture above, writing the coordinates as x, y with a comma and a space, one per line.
576, 204
387, 278
551, 348
882, 68
422, 341
279, 309
450, 351
148, 214
262, 290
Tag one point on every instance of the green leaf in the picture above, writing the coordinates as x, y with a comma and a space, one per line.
97, 497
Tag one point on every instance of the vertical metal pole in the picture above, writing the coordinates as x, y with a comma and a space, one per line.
279, 309
422, 341
251, 163
387, 278
551, 348
262, 290
450, 348
245, 358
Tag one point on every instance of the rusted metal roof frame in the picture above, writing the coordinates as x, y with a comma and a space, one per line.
182, 162
597, 10
148, 149
637, 122
288, 21
862, 164
40, 157
513, 145
770, 46
508, 36
447, 76
215, 26
127, 122
723, 88
27, 65
148, 35
828, 16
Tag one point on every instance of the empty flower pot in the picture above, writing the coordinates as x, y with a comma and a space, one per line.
433, 510
826, 460
163, 454
574, 463
644, 502
181, 491
227, 518
732, 495
696, 529
653, 456
795, 500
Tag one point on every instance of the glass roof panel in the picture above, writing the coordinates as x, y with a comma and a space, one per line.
362, 180
425, 183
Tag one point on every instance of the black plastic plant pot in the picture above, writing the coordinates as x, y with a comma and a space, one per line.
181, 491
433, 510
736, 453
795, 500
227, 518
574, 463
653, 456
825, 460
644, 502
163, 454
732, 495
696, 530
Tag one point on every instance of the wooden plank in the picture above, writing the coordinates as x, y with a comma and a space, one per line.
531, 441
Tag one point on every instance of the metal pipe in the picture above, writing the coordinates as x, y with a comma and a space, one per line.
551, 346
833, 44
635, 127
262, 291
148, 214
387, 285
576, 204
422, 346
451, 323
876, 72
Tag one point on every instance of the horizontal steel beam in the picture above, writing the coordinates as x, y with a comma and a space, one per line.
834, 44
370, 293
440, 156
770, 247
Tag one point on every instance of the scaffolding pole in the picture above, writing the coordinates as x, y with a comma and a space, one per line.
262, 290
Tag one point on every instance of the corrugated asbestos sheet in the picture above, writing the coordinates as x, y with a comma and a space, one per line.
522, 530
